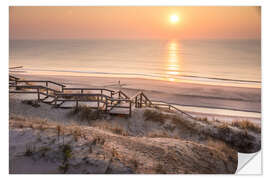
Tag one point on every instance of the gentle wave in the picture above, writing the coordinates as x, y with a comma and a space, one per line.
150, 75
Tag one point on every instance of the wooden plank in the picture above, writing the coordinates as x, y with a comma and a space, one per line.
40, 81
122, 107
80, 94
94, 89
23, 92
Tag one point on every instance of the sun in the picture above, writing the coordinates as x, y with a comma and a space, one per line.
174, 18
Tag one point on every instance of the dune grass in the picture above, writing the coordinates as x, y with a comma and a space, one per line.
246, 125
220, 146
154, 116
116, 129
85, 113
33, 103
29, 150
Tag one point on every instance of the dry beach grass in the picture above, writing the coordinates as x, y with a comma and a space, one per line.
51, 140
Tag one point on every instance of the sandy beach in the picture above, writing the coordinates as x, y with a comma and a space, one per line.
133, 90
218, 130
191, 95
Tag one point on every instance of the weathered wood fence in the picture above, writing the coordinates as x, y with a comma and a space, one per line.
105, 99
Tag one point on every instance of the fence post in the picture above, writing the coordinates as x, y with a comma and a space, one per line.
129, 108
81, 91
56, 99
140, 100
101, 91
38, 94
106, 103
98, 102
47, 91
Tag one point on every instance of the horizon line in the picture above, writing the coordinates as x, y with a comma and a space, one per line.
168, 39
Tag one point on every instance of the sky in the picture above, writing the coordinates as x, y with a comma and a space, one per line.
134, 22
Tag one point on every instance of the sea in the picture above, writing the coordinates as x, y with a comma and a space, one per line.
215, 62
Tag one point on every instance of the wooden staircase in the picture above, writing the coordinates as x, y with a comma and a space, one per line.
101, 99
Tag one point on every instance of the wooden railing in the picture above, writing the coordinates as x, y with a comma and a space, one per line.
13, 78
82, 90
108, 102
46, 83
140, 100
121, 94
39, 90
64, 97
170, 107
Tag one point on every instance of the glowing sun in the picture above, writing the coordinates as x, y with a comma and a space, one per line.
174, 18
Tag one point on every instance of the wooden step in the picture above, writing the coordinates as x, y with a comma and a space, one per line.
48, 99
72, 104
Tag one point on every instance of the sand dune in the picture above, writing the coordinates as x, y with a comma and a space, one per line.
53, 140
97, 151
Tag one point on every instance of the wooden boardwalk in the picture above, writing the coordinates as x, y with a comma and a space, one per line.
101, 99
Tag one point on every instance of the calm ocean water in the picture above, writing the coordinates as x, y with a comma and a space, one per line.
225, 62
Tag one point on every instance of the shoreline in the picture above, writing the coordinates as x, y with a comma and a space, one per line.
190, 79
177, 93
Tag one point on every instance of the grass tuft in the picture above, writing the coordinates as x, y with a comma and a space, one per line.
203, 119
246, 125
160, 169
29, 150
76, 133
85, 113
220, 146
98, 140
159, 134
33, 103
155, 116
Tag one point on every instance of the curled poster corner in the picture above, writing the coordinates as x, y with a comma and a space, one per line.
249, 164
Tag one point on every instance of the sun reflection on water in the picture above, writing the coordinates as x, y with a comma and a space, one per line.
173, 64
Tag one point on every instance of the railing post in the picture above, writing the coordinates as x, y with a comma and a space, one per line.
106, 103
101, 91
129, 108
136, 102
81, 91
77, 104
98, 102
38, 94
55, 100
140, 100
47, 91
